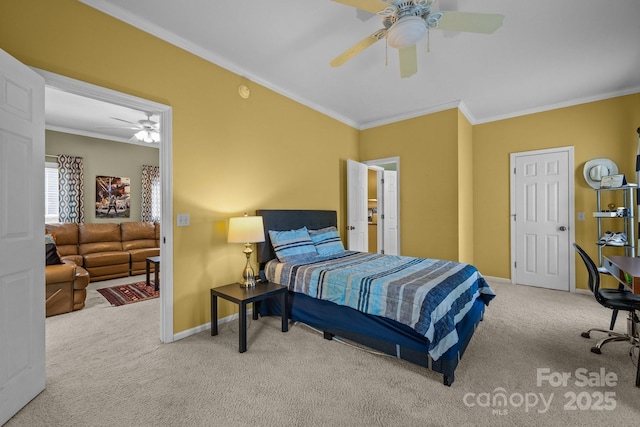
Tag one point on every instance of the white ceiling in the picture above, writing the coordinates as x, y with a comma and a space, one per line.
548, 53
76, 114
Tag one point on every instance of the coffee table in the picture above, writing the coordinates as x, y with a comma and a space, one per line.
155, 260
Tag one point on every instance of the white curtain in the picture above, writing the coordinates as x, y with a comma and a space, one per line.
150, 193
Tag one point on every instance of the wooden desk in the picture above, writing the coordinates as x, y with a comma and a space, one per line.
619, 265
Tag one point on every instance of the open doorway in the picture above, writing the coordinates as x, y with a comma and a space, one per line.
164, 113
383, 202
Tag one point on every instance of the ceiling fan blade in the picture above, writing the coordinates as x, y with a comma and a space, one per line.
373, 6
408, 61
485, 23
358, 47
119, 127
123, 120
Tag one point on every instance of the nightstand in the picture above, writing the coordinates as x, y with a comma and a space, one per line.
243, 296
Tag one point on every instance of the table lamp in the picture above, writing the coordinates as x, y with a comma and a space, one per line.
247, 230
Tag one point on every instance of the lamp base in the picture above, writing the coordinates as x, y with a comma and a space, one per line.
248, 278
248, 281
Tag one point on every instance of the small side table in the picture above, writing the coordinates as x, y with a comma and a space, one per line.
243, 296
155, 260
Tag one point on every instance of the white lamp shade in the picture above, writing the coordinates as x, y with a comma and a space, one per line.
246, 229
148, 136
406, 32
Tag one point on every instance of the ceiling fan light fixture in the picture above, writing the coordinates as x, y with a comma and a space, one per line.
406, 32
148, 136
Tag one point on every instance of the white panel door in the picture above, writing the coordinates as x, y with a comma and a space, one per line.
22, 311
357, 224
390, 211
542, 220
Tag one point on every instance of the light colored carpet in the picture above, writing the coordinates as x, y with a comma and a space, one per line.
106, 367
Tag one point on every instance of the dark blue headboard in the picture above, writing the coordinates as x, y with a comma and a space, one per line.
282, 220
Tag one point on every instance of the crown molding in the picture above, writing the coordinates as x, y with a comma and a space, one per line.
558, 105
411, 115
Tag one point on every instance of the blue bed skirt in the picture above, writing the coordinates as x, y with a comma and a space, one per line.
376, 332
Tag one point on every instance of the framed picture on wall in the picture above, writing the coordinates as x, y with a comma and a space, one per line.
112, 197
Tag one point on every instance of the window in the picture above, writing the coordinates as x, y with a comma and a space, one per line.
51, 213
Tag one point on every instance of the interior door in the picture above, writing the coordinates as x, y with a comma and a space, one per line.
357, 224
390, 213
22, 293
541, 219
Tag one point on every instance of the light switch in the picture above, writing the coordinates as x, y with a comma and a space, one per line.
580, 216
184, 220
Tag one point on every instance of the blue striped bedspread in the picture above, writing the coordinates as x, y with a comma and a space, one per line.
429, 295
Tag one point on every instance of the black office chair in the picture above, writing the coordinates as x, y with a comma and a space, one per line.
615, 299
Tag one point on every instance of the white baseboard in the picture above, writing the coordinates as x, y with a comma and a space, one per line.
201, 328
497, 279
503, 280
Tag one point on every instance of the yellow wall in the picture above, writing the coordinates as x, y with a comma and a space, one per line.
230, 155
598, 129
455, 177
465, 190
428, 151
436, 181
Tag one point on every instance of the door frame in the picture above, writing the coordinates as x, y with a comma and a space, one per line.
571, 197
165, 112
379, 207
381, 163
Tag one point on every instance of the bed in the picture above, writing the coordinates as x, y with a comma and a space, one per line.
420, 310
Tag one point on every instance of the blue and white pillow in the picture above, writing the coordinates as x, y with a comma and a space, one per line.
293, 245
327, 241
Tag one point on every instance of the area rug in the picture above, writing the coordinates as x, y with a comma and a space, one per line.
127, 294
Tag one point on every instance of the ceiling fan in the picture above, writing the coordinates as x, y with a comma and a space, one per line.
148, 130
406, 22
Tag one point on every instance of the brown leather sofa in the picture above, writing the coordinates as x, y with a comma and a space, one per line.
108, 250
66, 237
101, 250
95, 252
66, 287
139, 240
66, 283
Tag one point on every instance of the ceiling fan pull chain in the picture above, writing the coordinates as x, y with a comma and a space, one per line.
386, 52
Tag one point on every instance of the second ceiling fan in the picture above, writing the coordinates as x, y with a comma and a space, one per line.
147, 129
406, 22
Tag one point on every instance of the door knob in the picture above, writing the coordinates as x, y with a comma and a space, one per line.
563, 228
350, 227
